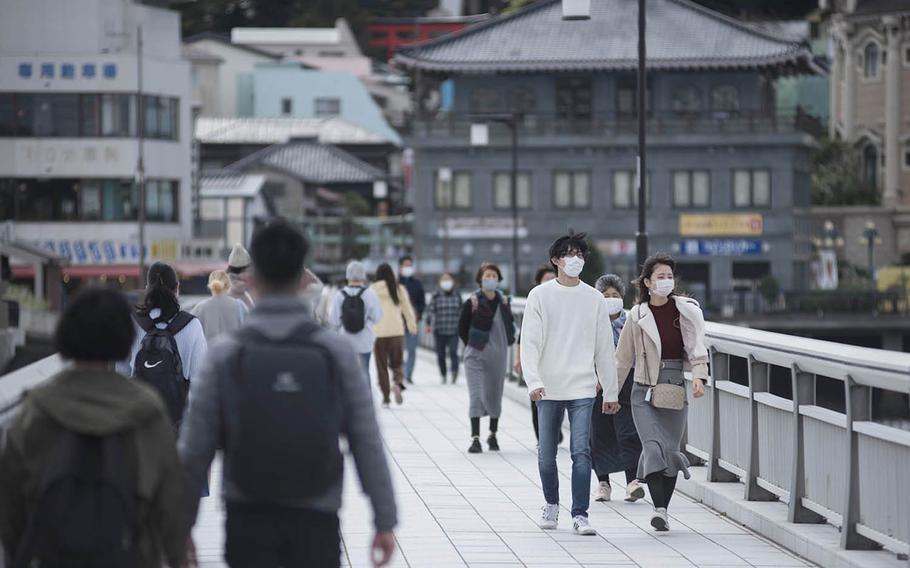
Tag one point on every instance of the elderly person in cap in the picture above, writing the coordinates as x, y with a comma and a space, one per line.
238, 265
355, 312
615, 445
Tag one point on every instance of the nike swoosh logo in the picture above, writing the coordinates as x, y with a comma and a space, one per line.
147, 366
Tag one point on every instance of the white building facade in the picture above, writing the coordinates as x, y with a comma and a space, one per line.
70, 134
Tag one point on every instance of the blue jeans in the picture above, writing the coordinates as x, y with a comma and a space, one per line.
550, 413
410, 345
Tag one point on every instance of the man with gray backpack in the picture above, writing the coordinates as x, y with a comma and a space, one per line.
276, 396
355, 311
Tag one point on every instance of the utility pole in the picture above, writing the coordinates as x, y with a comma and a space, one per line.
140, 165
641, 237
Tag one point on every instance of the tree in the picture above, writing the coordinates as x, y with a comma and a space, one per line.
594, 265
836, 176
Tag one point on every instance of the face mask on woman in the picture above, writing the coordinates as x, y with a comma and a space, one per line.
614, 305
446, 285
489, 284
664, 288
573, 266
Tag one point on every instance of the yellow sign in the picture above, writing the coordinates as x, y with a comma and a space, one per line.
718, 225
164, 250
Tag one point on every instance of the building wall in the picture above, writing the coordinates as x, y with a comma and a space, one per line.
207, 87
234, 77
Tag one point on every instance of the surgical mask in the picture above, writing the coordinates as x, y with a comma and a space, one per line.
489, 284
573, 266
407, 271
614, 305
664, 288
447, 285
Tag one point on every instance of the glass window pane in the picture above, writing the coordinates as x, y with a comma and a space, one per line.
165, 118
7, 115
443, 193
91, 115
90, 201
462, 190
582, 189
741, 188
120, 199
562, 190
761, 188
622, 190
501, 191
168, 201
66, 115
524, 190
25, 115
701, 189
43, 117
150, 121
681, 189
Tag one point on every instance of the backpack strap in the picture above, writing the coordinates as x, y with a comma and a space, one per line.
145, 322
180, 321
362, 292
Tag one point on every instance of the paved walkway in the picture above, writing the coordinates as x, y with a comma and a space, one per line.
457, 509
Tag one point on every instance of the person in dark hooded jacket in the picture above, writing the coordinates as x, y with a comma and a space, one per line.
89, 398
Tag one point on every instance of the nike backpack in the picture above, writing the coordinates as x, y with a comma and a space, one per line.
353, 312
85, 511
288, 414
158, 362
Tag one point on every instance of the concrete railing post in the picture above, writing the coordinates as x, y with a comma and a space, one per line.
859, 408
720, 371
759, 381
803, 394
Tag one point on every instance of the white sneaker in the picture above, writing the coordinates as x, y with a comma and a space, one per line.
583, 527
659, 520
634, 491
604, 492
549, 519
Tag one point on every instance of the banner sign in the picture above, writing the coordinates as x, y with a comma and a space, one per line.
722, 247
480, 228
720, 224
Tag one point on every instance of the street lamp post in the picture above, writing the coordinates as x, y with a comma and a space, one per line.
480, 137
870, 238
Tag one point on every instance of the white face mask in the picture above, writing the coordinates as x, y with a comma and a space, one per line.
489, 284
407, 271
447, 285
614, 305
573, 266
664, 288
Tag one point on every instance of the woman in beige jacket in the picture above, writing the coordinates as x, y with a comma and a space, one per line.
389, 348
663, 337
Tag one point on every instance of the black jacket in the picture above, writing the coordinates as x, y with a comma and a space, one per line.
467, 317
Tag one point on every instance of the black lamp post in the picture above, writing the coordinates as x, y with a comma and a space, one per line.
870, 238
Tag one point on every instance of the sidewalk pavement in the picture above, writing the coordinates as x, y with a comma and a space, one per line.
458, 509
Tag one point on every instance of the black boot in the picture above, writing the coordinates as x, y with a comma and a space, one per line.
492, 443
475, 448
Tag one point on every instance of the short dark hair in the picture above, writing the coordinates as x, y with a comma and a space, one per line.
644, 295
543, 271
97, 325
483, 268
278, 250
405, 258
567, 242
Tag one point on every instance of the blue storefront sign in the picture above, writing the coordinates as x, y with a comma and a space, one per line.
721, 247
94, 252
66, 70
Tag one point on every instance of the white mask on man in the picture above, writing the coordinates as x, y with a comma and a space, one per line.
664, 288
614, 305
573, 265
447, 285
407, 271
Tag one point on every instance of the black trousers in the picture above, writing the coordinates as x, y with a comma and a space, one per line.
446, 343
281, 537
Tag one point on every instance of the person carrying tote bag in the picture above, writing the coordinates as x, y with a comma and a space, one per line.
663, 337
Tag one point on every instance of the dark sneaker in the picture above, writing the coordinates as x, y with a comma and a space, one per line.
475, 448
494, 445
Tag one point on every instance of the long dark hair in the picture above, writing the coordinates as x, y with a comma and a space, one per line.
387, 275
644, 295
161, 292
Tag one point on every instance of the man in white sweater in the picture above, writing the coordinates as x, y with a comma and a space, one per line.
566, 347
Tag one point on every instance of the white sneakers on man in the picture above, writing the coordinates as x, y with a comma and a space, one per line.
659, 520
583, 527
549, 519
634, 491
604, 492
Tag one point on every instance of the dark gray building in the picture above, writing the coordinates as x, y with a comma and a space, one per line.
726, 167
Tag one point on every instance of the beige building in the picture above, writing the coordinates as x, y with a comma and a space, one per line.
870, 89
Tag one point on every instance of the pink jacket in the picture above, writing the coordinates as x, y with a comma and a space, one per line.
640, 337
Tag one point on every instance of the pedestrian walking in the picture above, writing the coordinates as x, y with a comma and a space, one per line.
397, 318
443, 312
487, 329
615, 445
311, 288
544, 274
221, 313
169, 347
566, 348
355, 312
664, 335
276, 396
89, 474
238, 265
418, 302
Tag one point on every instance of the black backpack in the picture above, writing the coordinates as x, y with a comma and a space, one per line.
289, 413
85, 512
353, 312
158, 362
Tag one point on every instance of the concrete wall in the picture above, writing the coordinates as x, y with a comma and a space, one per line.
238, 65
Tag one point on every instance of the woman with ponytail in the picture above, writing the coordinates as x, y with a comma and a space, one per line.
221, 313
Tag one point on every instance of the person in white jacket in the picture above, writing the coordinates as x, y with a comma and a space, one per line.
358, 287
566, 347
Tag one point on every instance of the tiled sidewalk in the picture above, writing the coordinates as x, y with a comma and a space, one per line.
458, 509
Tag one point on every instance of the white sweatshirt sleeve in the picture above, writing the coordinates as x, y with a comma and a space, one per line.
604, 355
532, 343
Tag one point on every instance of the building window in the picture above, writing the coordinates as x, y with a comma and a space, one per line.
870, 61
7, 115
870, 166
287, 106
522, 100
627, 96
725, 98
484, 99
625, 192
751, 188
691, 189
454, 193
160, 117
686, 100
161, 201
328, 107
574, 99
571, 190
118, 115
502, 190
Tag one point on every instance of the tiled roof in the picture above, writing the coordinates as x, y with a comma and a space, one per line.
221, 183
312, 163
680, 35
881, 7
226, 40
281, 130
